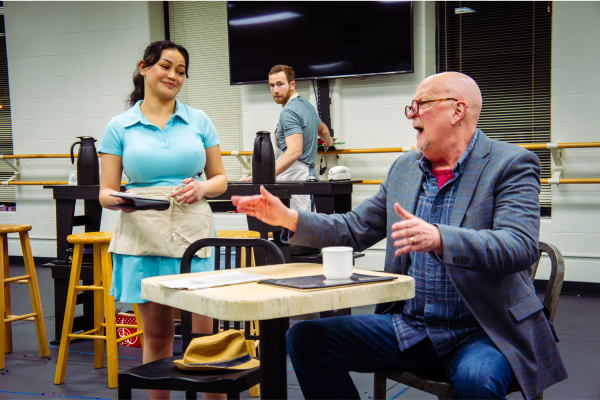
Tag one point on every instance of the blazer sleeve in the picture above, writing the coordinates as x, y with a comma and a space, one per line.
360, 229
512, 244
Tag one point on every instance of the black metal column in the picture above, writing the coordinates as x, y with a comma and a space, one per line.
273, 380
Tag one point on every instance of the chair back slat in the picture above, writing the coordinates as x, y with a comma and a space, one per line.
248, 256
217, 250
238, 257
228, 257
217, 243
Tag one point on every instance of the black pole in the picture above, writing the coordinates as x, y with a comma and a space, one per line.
324, 102
273, 379
166, 15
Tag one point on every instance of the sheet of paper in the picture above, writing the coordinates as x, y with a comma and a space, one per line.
203, 282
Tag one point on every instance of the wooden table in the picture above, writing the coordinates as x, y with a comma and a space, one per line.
270, 305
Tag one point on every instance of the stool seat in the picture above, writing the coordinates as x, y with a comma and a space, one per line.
238, 234
90, 238
13, 228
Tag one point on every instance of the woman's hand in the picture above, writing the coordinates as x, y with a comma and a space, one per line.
267, 208
121, 200
191, 193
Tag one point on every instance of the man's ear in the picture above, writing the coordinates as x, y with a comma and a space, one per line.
142, 67
293, 85
459, 112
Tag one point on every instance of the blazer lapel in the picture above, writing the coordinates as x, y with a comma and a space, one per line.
474, 166
414, 182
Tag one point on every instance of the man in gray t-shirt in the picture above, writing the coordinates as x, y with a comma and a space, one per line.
297, 133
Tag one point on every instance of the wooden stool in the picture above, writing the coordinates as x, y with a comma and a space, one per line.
30, 279
104, 308
252, 345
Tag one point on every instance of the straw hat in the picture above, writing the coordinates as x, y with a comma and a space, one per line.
224, 351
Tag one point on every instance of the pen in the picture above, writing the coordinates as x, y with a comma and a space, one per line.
198, 175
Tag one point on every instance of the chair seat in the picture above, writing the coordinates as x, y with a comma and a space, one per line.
158, 374
90, 238
12, 228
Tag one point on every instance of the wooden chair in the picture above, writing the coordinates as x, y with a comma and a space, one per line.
104, 308
30, 279
163, 374
439, 386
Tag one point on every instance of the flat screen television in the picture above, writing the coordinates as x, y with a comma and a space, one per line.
319, 39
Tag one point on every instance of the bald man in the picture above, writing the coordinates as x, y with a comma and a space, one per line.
461, 215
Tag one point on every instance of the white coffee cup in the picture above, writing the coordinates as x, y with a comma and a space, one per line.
337, 262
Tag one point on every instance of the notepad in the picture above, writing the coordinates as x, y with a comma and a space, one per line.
209, 281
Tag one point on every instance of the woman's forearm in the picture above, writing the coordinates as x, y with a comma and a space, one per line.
217, 185
106, 198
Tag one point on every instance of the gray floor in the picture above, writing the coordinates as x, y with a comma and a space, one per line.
27, 376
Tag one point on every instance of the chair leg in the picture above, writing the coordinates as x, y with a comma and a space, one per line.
191, 396
34, 293
379, 383
98, 309
6, 327
234, 395
65, 341
109, 317
251, 344
3, 267
138, 321
124, 393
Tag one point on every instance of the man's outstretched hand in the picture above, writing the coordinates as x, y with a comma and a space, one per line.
267, 208
415, 234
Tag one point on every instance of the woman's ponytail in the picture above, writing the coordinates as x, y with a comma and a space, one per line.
138, 89
151, 56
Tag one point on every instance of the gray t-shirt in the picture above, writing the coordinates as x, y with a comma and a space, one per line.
299, 116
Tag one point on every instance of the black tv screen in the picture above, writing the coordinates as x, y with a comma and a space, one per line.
319, 39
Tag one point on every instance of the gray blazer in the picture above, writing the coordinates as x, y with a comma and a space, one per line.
489, 248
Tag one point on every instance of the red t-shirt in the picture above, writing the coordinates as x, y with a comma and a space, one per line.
443, 176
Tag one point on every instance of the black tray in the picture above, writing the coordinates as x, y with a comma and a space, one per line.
319, 282
138, 203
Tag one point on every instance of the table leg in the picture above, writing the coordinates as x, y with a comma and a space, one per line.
273, 380
61, 287
324, 203
64, 227
342, 203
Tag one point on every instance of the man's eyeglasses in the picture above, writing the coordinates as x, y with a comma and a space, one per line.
414, 107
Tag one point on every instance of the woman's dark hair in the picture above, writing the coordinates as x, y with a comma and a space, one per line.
151, 57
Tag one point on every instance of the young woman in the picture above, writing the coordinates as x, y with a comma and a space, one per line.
160, 144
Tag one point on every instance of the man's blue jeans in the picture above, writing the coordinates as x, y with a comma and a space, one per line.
323, 352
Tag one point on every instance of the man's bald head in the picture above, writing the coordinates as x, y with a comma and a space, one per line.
459, 86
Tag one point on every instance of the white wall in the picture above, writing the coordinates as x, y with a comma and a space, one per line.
70, 67
575, 224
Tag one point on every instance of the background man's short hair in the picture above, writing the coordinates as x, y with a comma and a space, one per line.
289, 72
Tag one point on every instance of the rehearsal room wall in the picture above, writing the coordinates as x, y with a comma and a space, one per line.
575, 224
70, 67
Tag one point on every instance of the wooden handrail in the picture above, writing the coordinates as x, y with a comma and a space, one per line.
529, 146
29, 183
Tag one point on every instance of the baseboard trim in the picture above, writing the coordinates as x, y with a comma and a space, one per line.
18, 260
571, 288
